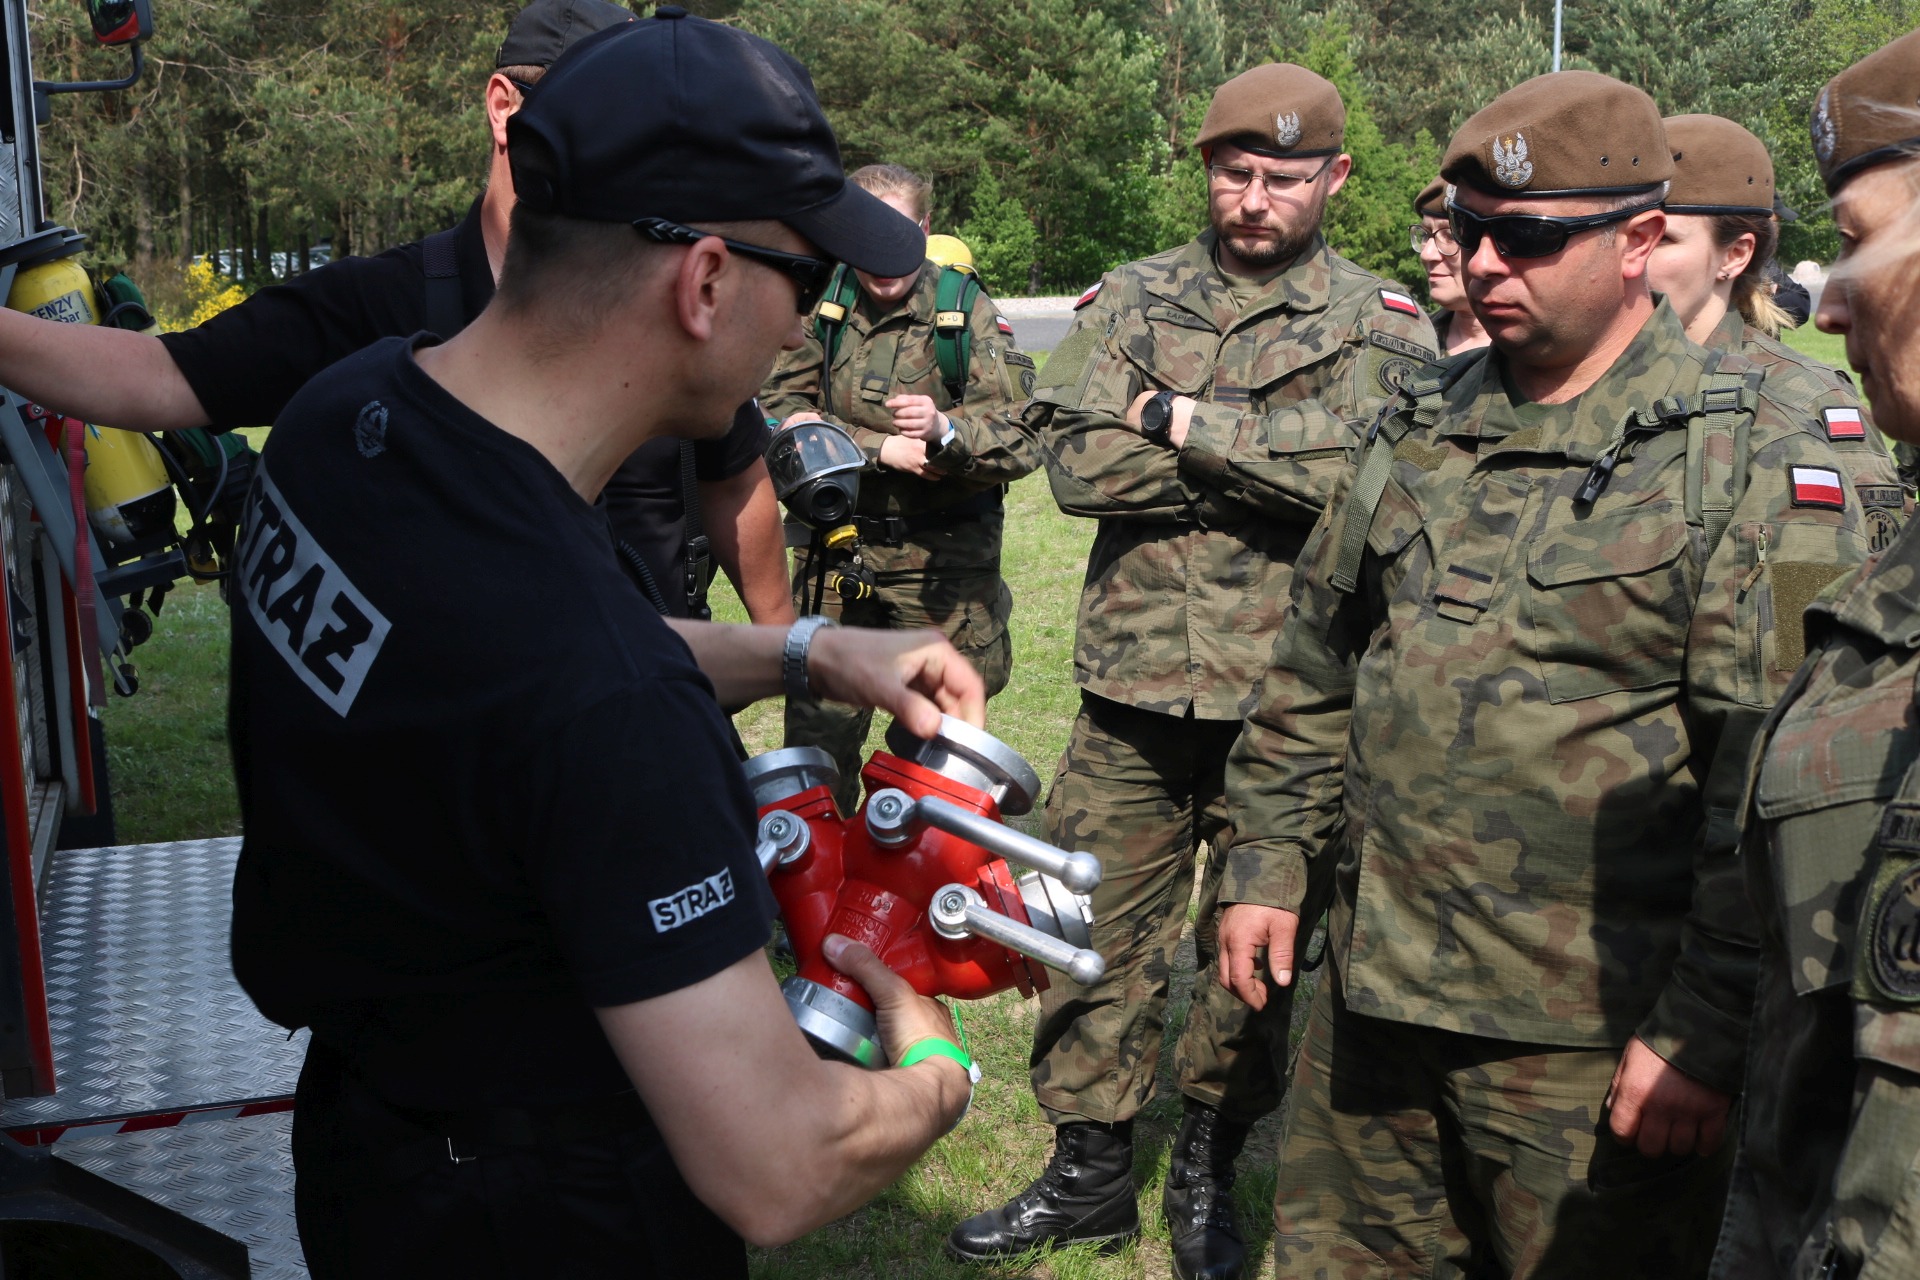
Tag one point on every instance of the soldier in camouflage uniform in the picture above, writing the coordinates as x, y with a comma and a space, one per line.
930, 512
1712, 265
1532, 638
1826, 1183
1254, 332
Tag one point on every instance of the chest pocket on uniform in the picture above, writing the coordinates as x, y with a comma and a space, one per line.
1469, 560
1171, 349
1609, 602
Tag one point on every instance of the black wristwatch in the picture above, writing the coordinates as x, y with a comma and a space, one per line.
1156, 419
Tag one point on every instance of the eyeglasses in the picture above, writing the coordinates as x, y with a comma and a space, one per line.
1524, 235
1233, 180
1418, 235
809, 275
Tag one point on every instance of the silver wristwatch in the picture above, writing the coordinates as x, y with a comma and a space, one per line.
793, 655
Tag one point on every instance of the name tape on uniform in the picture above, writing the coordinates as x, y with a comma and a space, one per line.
1817, 487
686, 905
1400, 302
304, 603
1844, 424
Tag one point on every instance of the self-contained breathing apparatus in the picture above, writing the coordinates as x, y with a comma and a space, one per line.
130, 479
820, 469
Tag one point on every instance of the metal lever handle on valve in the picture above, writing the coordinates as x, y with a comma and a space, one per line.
958, 911
892, 813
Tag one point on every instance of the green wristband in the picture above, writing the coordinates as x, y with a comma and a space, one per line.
935, 1047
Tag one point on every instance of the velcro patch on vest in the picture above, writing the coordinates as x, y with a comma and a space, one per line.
1900, 829
1395, 301
874, 387
1893, 937
1088, 296
949, 319
1401, 346
1844, 424
1817, 487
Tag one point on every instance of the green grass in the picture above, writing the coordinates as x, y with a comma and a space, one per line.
1827, 348
171, 780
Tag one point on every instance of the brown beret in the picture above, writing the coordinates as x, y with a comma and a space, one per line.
1869, 113
1277, 109
1432, 200
1567, 133
1718, 167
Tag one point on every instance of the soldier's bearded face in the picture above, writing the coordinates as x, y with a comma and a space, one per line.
1872, 298
1260, 230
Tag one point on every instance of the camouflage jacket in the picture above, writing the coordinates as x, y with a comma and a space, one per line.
885, 352
1187, 580
1521, 738
1830, 1126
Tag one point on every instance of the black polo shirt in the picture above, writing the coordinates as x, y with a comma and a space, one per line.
456, 851
246, 363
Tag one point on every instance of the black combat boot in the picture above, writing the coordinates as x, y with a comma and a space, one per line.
1199, 1196
1084, 1194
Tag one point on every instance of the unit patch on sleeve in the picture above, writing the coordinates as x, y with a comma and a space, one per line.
1817, 487
1844, 424
1088, 296
1401, 346
1400, 302
1893, 945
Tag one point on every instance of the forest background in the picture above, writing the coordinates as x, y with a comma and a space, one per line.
1058, 132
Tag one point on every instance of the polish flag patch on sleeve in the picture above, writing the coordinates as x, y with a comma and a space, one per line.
1399, 302
1088, 296
1844, 424
1006, 326
1817, 487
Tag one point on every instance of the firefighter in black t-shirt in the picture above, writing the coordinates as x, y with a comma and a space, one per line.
512, 887
241, 367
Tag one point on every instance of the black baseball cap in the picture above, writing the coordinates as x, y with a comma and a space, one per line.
545, 29
677, 117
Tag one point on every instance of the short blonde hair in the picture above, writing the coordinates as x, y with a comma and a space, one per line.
885, 180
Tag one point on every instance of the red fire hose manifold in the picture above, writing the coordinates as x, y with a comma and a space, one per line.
920, 875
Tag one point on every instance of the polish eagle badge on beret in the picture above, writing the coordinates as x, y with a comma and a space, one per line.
1825, 135
1511, 168
1286, 128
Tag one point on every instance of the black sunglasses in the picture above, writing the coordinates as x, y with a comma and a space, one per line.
1524, 235
809, 275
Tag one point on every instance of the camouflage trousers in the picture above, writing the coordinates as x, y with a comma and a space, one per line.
1411, 1151
1143, 790
946, 579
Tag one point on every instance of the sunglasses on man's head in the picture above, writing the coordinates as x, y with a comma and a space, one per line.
1526, 235
809, 275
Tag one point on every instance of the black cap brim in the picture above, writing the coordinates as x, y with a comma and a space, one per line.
863, 231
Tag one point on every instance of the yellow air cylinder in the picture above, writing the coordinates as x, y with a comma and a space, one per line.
128, 493
950, 251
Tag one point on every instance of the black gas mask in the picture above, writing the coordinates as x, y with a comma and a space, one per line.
816, 469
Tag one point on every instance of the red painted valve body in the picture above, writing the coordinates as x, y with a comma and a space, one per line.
846, 883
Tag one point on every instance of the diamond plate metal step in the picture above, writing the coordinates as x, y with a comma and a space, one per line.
148, 1019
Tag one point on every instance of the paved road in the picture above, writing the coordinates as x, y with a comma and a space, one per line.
1038, 323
